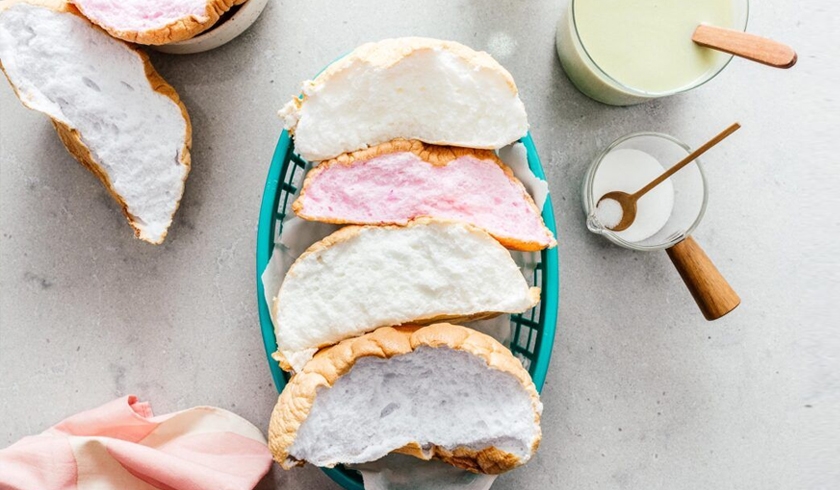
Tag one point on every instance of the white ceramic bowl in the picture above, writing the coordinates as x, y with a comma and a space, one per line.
219, 34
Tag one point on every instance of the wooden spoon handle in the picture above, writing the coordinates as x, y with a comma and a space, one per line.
685, 161
749, 46
713, 294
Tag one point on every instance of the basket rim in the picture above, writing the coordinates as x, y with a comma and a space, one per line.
549, 296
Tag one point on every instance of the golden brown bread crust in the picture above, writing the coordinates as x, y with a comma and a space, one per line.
296, 400
285, 365
180, 30
436, 155
387, 52
347, 233
73, 141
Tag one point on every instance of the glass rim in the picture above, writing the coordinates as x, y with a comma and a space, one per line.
612, 236
641, 93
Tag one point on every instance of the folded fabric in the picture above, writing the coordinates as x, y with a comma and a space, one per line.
122, 445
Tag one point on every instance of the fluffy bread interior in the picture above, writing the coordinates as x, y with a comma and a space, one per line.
111, 109
435, 91
364, 277
401, 180
441, 391
154, 21
431, 396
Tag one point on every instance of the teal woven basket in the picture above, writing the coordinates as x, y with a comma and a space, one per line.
532, 331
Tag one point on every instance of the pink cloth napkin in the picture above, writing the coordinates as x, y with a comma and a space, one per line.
122, 445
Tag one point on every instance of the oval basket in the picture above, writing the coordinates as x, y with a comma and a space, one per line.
532, 332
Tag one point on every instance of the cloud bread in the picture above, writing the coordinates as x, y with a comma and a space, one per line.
111, 109
398, 181
441, 391
364, 277
155, 21
439, 92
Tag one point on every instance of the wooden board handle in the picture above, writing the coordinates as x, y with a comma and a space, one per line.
713, 294
749, 46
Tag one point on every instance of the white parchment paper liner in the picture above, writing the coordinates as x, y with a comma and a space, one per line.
401, 472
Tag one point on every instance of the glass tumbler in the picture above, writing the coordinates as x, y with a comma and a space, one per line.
596, 83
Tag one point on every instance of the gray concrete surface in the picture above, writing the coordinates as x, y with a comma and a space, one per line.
642, 392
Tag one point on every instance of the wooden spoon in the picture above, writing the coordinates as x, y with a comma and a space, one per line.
628, 202
749, 46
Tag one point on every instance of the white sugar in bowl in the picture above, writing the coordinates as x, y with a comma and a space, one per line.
668, 213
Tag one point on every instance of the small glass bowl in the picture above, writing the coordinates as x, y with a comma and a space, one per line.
690, 191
